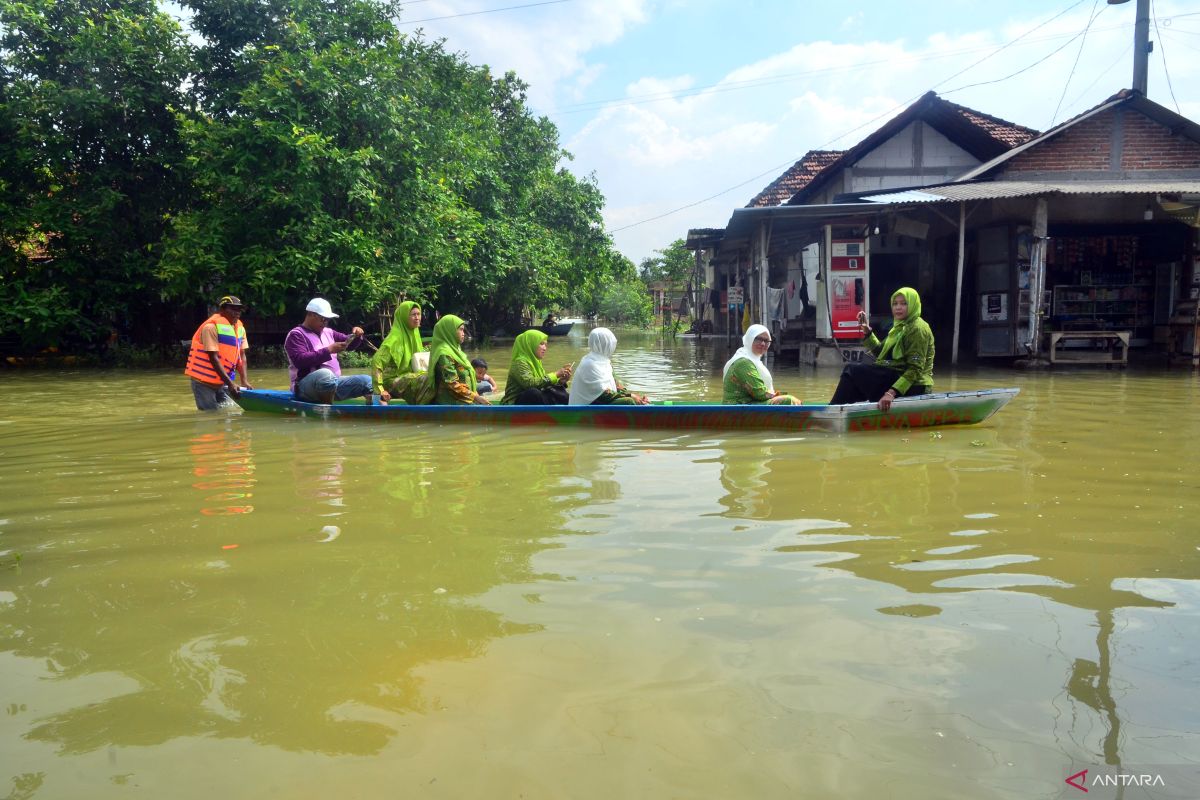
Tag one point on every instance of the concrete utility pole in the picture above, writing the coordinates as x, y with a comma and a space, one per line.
1141, 43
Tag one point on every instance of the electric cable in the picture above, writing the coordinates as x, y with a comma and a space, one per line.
1078, 53
484, 11
716, 88
1163, 52
852, 130
1119, 60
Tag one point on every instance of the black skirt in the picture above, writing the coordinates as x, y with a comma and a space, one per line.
549, 396
867, 383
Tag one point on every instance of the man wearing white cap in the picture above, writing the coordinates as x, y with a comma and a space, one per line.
312, 349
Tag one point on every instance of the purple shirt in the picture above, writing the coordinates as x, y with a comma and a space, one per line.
308, 352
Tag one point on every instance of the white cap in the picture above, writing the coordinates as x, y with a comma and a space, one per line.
320, 306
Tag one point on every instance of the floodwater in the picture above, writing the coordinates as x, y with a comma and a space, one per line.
238, 606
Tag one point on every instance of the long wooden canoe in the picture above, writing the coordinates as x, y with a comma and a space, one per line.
923, 411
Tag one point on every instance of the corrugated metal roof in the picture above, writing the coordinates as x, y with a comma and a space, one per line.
999, 190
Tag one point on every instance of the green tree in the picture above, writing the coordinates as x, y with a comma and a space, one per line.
341, 173
674, 264
301, 147
91, 162
542, 233
362, 164
627, 302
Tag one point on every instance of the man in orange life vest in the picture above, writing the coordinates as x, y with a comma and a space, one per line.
218, 349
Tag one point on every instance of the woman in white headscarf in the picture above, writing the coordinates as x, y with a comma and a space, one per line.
747, 379
593, 382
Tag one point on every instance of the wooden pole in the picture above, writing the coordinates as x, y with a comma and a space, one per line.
1037, 275
958, 281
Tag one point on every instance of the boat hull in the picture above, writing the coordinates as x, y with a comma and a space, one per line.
924, 411
560, 329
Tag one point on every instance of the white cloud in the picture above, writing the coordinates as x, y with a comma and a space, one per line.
682, 135
546, 46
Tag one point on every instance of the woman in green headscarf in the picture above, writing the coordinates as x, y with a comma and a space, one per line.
451, 378
528, 384
903, 361
393, 362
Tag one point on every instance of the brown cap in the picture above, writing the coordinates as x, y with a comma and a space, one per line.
230, 300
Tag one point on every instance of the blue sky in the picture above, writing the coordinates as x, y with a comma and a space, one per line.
670, 102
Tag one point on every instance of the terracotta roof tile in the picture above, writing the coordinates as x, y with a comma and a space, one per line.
1007, 133
795, 178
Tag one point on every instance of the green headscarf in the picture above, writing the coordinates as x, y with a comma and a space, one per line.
525, 349
402, 341
445, 345
900, 327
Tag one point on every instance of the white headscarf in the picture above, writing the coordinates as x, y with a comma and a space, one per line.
595, 374
747, 351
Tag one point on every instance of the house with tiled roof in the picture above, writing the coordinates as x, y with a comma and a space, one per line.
797, 176
931, 141
1096, 219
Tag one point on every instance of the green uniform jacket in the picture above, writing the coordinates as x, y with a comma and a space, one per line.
915, 366
744, 384
521, 376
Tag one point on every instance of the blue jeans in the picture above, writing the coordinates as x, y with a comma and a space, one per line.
313, 386
209, 397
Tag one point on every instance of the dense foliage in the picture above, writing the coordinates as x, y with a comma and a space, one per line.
627, 302
673, 264
288, 148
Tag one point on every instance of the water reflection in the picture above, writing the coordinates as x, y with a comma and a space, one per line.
595, 467
706, 609
317, 465
904, 533
300, 641
224, 469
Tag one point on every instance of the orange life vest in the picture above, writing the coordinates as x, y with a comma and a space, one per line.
230, 341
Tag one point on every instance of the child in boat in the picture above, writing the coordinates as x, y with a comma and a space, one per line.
594, 383
484, 383
747, 379
903, 361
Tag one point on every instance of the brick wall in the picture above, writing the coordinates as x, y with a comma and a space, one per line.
1149, 145
1087, 145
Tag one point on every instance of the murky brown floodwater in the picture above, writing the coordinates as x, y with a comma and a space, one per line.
243, 607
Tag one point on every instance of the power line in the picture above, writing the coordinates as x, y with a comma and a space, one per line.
1163, 51
750, 83
1182, 42
485, 11
856, 128
717, 88
1120, 59
1078, 53
1024, 69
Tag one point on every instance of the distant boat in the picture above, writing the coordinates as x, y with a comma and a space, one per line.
558, 329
